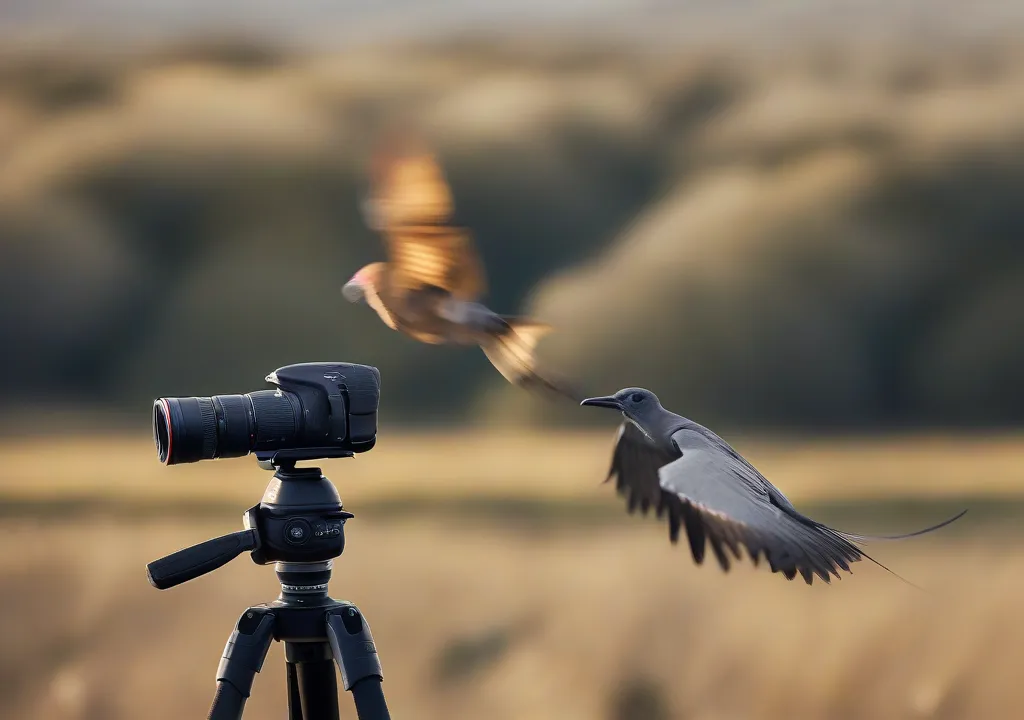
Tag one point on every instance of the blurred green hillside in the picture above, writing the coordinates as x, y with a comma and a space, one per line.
823, 239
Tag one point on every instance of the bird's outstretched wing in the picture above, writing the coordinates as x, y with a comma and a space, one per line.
719, 501
635, 464
724, 503
411, 205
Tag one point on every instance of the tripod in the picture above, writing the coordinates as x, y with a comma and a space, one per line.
300, 526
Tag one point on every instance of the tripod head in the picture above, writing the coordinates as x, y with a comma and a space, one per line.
299, 524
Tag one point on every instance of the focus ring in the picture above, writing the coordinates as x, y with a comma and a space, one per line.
275, 418
209, 416
234, 425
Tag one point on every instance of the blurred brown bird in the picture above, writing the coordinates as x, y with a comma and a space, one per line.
431, 284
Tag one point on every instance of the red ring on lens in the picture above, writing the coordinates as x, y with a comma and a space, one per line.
167, 418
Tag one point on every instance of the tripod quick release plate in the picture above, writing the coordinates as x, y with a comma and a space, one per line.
273, 459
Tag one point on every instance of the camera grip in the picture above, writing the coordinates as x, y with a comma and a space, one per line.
199, 559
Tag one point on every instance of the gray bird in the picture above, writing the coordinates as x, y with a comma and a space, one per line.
684, 470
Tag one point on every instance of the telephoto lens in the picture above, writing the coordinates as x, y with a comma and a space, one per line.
190, 429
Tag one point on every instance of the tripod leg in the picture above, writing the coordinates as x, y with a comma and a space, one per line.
357, 659
368, 696
294, 701
313, 680
243, 657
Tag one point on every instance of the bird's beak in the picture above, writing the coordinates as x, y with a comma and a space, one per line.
352, 290
608, 402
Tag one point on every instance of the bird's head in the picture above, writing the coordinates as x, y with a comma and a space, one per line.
366, 278
636, 404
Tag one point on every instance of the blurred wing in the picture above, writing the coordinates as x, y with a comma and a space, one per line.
434, 257
635, 464
412, 208
409, 187
723, 501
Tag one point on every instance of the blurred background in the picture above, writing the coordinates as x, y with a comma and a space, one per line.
799, 223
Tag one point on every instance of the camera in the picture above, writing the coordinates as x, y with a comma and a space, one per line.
318, 410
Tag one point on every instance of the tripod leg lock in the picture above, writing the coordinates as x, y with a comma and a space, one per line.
352, 645
246, 649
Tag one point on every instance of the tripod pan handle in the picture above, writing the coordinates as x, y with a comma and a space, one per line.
199, 559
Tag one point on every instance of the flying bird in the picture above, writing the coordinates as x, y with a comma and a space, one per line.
683, 470
432, 282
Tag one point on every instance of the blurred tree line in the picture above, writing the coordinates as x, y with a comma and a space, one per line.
817, 240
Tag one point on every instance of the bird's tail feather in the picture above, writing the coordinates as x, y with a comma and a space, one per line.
884, 567
511, 351
854, 538
866, 538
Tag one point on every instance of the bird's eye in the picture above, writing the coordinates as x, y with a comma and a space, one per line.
636, 397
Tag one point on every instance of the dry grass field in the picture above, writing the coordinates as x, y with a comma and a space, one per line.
518, 463
502, 581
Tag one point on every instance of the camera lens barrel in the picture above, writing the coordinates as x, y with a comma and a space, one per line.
191, 429
278, 418
235, 423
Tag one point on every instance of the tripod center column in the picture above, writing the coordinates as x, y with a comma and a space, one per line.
304, 580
